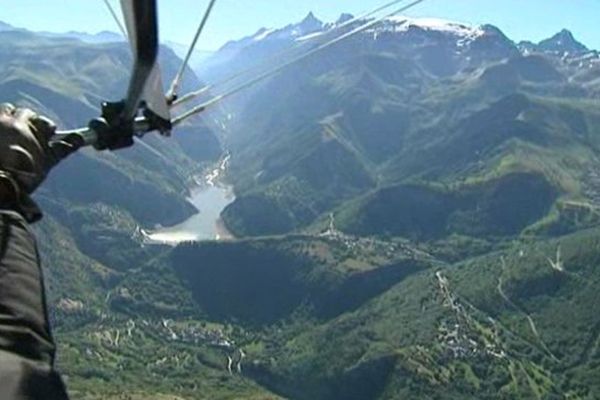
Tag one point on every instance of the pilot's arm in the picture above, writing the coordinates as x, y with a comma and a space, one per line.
26, 345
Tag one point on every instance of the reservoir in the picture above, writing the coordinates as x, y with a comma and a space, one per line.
210, 198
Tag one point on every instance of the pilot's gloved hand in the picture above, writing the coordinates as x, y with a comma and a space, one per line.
26, 157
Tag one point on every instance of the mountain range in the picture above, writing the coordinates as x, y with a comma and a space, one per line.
416, 216
104, 37
390, 117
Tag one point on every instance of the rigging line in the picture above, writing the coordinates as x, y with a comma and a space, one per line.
177, 81
152, 150
116, 18
200, 108
280, 54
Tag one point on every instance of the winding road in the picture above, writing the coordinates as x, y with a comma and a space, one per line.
521, 310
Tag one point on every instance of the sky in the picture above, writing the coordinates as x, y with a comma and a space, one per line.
232, 19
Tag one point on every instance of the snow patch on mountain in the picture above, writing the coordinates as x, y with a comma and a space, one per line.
262, 34
399, 24
403, 24
309, 25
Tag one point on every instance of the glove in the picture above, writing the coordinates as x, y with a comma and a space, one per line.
26, 157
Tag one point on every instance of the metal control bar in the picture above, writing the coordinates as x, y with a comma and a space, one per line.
144, 108
90, 136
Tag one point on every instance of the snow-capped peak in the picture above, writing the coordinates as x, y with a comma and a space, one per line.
309, 25
402, 23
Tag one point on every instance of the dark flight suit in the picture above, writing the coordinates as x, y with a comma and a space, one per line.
26, 345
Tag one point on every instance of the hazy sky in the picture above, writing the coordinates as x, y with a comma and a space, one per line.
519, 19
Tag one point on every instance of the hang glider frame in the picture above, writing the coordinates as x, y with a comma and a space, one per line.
144, 107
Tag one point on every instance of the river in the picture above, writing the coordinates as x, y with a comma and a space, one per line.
210, 198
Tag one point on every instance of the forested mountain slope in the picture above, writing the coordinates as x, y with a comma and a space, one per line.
444, 108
